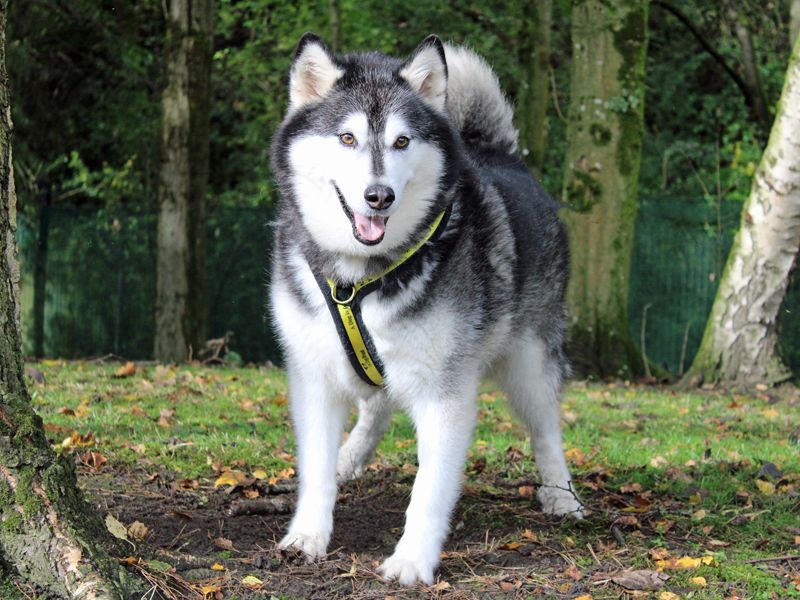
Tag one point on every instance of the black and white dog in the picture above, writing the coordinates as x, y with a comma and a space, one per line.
414, 254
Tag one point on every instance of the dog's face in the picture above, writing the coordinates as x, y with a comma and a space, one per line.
363, 145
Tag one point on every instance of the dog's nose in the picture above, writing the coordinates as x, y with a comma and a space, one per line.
379, 196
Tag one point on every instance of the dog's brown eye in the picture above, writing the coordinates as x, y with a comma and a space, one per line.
348, 139
401, 142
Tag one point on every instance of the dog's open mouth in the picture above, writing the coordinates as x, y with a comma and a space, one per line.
367, 229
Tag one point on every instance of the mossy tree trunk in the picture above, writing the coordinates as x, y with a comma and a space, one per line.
181, 306
606, 122
48, 534
741, 339
534, 56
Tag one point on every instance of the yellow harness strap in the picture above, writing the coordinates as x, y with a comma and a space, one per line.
354, 337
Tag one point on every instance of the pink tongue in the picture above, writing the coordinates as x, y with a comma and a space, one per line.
370, 228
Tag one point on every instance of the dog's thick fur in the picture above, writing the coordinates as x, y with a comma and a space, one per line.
486, 297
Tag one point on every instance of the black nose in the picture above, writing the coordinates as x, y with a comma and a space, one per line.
379, 196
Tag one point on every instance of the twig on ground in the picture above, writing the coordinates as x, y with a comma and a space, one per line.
262, 506
785, 557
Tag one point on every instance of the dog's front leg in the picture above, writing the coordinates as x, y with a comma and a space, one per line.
318, 422
444, 429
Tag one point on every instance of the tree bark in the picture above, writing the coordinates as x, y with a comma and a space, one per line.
740, 340
181, 309
794, 20
48, 534
40, 265
750, 64
534, 57
335, 12
605, 127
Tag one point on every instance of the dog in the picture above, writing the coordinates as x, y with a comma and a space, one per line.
414, 254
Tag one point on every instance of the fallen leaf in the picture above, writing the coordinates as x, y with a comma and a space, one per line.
117, 529
699, 515
526, 491
770, 413
659, 553
643, 579
77, 440
658, 461
765, 487
573, 572
93, 460
584, 597
233, 478
217, 567
698, 582
668, 596
576, 456
512, 545
259, 474
138, 530
223, 543
126, 370
530, 535
630, 488
440, 586
210, 588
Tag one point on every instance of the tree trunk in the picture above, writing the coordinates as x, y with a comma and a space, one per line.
740, 340
606, 122
49, 535
181, 307
751, 74
40, 265
534, 57
335, 12
794, 20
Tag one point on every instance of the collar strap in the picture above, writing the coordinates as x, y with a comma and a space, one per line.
344, 303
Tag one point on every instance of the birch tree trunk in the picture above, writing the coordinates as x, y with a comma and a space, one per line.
741, 339
606, 122
534, 57
181, 307
48, 534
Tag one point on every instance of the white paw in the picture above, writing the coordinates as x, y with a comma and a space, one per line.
311, 545
407, 570
560, 501
349, 465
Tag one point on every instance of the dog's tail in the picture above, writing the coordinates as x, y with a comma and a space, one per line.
476, 103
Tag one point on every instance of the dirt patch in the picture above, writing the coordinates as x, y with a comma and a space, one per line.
489, 552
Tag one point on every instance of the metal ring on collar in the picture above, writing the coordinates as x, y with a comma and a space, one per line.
349, 298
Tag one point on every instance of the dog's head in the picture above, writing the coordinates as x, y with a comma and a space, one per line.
363, 150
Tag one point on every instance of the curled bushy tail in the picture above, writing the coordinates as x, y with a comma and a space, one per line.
476, 103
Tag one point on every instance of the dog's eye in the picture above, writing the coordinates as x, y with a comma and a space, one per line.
401, 142
348, 139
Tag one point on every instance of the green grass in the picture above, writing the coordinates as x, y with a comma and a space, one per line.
684, 466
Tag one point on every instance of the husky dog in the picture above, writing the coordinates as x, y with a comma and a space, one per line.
408, 218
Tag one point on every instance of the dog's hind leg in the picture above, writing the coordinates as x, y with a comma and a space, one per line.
374, 415
532, 378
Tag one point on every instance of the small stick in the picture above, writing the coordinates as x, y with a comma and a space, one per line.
683, 348
774, 559
267, 506
618, 535
594, 556
642, 336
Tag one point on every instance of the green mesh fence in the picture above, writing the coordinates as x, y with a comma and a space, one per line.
101, 281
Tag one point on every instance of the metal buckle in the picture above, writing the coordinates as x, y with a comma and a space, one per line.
349, 298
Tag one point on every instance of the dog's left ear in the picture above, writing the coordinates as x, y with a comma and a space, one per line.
313, 73
426, 72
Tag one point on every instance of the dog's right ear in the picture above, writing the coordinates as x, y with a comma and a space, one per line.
313, 73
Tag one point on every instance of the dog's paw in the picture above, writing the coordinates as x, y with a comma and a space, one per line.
407, 570
308, 545
560, 502
349, 465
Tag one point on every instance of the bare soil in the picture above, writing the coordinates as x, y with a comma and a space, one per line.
489, 553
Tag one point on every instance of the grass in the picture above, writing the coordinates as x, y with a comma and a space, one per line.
659, 469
